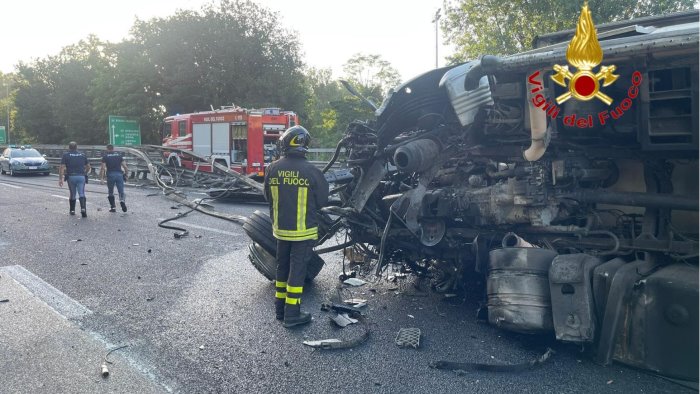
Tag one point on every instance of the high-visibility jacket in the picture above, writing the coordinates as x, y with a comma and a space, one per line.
295, 189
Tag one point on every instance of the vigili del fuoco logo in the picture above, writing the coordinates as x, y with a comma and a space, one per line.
585, 54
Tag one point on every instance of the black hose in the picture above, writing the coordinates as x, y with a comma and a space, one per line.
335, 155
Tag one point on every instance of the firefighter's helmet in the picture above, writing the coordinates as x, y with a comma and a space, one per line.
295, 139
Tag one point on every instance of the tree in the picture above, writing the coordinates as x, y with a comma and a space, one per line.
319, 116
478, 27
373, 75
230, 52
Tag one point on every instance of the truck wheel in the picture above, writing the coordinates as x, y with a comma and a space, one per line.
259, 229
264, 262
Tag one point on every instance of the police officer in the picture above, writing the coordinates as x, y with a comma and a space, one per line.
74, 169
295, 189
112, 165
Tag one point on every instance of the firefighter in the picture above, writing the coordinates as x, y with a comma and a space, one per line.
115, 168
295, 189
74, 169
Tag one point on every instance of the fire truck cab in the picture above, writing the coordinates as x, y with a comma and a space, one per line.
239, 138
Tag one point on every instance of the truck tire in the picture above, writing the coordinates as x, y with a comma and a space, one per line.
263, 261
259, 228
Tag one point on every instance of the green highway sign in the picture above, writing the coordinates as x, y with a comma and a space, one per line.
3, 135
124, 130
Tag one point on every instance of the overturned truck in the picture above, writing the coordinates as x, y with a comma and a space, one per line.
574, 193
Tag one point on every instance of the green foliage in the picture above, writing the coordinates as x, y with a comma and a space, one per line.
478, 27
232, 51
330, 107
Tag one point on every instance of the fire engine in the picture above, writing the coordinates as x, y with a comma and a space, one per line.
239, 138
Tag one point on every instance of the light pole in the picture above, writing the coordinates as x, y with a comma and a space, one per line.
435, 20
7, 97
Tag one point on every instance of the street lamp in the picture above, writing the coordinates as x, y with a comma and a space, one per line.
435, 20
7, 97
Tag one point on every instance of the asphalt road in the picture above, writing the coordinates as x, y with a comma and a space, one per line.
198, 317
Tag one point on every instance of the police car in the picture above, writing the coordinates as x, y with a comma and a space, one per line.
23, 160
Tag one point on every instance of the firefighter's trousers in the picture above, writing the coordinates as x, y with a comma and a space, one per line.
292, 259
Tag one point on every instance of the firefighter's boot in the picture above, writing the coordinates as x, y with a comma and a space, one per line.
293, 316
279, 309
83, 211
123, 204
71, 203
112, 207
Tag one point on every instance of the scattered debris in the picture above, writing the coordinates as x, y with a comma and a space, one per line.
408, 337
103, 368
356, 302
83, 263
344, 276
198, 236
411, 316
4, 300
201, 347
610, 381
150, 298
351, 310
343, 320
76, 240
354, 282
323, 343
135, 245
455, 366
334, 343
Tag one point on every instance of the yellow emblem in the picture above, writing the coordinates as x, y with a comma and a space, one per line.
584, 53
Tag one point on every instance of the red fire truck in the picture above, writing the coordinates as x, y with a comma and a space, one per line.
239, 138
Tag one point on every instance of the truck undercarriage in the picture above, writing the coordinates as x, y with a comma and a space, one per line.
582, 216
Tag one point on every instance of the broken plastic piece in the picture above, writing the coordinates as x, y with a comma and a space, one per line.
321, 343
408, 337
354, 282
343, 320
356, 302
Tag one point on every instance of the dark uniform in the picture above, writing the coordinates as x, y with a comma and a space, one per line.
76, 163
115, 177
296, 189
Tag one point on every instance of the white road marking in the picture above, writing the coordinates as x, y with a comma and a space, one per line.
12, 186
63, 197
200, 227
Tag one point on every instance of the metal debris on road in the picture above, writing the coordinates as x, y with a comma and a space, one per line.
461, 367
356, 302
354, 282
323, 343
343, 320
5, 300
408, 337
103, 368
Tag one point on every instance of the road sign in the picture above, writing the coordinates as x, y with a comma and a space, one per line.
124, 130
3, 135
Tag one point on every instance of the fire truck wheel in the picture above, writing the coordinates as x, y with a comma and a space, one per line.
259, 229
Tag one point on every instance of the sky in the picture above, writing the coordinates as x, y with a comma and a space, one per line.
330, 31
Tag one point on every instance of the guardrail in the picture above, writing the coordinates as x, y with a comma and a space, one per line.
138, 168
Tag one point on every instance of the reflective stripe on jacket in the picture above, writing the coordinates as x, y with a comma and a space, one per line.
295, 189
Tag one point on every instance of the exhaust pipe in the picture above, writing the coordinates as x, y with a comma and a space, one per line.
538, 129
512, 240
